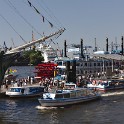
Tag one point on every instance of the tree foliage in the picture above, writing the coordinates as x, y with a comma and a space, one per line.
31, 57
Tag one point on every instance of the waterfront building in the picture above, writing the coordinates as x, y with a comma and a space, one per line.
98, 63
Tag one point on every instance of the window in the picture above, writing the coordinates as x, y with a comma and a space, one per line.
59, 96
90, 64
15, 90
94, 64
85, 64
73, 94
78, 93
59, 63
98, 64
67, 95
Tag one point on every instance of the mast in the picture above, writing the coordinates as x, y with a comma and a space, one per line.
22, 47
65, 55
106, 44
122, 47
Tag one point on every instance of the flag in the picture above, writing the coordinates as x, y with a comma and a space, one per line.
50, 24
33, 36
43, 18
29, 3
4, 44
36, 10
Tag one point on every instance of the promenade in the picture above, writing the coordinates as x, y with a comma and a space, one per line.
2, 91
3, 88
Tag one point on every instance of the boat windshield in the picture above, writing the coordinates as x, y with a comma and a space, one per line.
36, 89
65, 95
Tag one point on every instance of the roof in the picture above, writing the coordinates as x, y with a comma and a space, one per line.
110, 56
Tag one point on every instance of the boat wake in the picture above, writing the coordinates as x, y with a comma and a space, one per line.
114, 93
47, 108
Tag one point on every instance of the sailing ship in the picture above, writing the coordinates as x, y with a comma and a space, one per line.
13, 53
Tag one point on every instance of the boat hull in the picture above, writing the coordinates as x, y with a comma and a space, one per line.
65, 102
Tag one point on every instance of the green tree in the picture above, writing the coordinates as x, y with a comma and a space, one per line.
31, 57
36, 57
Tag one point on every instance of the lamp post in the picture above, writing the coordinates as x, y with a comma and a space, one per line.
30, 68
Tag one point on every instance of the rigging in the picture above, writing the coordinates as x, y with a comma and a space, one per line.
17, 12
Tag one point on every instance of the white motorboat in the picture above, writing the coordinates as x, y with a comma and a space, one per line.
101, 85
67, 97
26, 91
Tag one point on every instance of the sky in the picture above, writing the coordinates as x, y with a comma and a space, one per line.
86, 19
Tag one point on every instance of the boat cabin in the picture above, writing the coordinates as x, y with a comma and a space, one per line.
70, 86
79, 92
24, 91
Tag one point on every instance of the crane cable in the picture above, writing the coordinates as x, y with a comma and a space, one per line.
47, 10
12, 28
15, 9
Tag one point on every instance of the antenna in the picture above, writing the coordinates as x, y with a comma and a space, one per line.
95, 45
116, 44
13, 43
112, 46
33, 36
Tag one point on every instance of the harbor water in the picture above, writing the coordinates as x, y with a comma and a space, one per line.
109, 109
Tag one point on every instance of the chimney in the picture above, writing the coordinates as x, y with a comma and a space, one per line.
122, 48
106, 44
82, 53
95, 46
65, 55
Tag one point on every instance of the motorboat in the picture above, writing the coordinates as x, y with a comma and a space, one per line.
25, 91
106, 85
67, 96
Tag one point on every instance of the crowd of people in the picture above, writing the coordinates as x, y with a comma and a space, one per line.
47, 83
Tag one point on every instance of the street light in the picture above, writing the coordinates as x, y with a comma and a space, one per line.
30, 68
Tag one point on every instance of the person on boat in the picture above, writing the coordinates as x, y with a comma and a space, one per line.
40, 83
6, 86
22, 90
20, 82
25, 83
31, 80
12, 83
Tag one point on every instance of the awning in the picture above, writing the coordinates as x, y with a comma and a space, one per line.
37, 77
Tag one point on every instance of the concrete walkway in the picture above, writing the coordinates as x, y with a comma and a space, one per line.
3, 89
